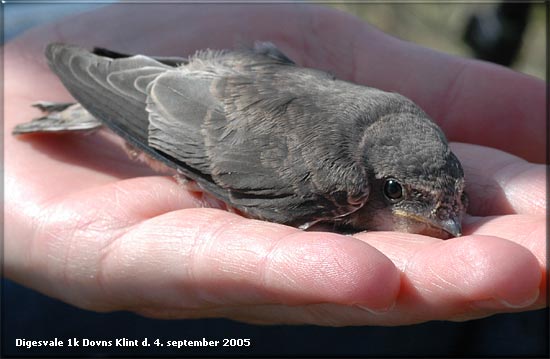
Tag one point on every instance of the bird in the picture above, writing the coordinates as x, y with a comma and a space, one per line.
277, 141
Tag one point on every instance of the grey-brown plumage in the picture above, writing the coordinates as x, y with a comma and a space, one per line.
277, 141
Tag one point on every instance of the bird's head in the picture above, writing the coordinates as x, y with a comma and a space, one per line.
416, 182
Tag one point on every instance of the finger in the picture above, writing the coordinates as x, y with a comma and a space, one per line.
461, 278
464, 278
528, 231
206, 258
498, 183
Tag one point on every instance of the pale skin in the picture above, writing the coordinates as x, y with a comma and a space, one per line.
87, 225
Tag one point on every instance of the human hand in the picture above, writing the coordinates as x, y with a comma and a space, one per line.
89, 226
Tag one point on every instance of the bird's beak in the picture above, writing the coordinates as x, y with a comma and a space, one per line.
451, 226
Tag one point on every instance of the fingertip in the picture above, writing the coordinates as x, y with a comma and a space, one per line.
493, 271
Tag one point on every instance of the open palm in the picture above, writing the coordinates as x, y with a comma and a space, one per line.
87, 225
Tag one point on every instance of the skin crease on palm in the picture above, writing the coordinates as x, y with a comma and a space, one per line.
85, 224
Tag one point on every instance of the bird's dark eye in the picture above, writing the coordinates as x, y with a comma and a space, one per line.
392, 189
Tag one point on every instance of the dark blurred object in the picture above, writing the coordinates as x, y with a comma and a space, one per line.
496, 35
